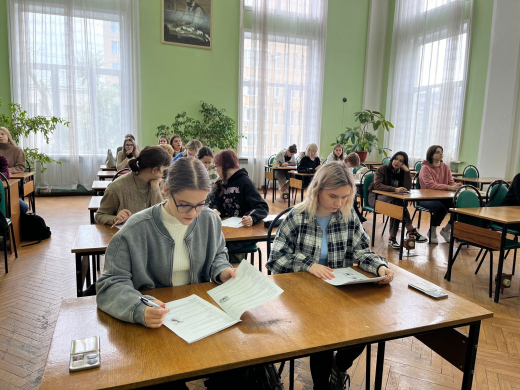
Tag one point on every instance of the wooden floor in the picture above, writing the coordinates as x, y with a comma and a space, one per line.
44, 274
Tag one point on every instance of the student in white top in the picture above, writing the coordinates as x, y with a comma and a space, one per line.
337, 154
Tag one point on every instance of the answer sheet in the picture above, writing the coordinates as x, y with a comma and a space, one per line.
234, 222
248, 290
350, 276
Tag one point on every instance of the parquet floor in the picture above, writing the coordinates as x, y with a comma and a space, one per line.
43, 274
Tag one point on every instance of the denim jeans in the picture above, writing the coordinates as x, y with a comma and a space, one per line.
439, 209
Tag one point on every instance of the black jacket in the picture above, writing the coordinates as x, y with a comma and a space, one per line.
306, 165
512, 197
237, 197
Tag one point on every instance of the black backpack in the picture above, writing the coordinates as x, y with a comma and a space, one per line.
33, 228
260, 377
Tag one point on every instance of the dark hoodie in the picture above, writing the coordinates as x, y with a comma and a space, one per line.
237, 197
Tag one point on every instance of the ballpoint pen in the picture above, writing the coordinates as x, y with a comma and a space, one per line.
248, 214
115, 223
149, 303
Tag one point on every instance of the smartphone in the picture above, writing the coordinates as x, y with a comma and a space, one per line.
84, 354
427, 289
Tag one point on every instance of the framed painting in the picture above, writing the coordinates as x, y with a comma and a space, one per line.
187, 22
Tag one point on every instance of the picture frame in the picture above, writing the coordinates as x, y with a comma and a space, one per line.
187, 23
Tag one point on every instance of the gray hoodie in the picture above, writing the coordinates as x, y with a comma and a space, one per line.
139, 257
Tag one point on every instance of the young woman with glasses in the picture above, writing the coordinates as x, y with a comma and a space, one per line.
128, 152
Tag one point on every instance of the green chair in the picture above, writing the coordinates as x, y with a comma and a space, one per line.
250, 249
420, 208
471, 172
386, 160
355, 170
418, 166
5, 220
269, 174
366, 179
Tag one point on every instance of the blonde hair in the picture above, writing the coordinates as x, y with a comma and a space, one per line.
307, 151
168, 149
353, 159
194, 144
330, 177
9, 137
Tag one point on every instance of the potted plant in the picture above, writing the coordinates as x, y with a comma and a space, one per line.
216, 129
20, 125
361, 139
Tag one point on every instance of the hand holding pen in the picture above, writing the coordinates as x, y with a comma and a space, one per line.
122, 216
155, 312
247, 220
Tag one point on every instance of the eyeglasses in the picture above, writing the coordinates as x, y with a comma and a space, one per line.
184, 208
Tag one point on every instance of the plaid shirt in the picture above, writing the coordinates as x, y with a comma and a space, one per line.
297, 245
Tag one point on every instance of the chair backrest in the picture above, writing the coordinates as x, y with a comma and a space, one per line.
271, 159
416, 182
355, 170
467, 196
386, 160
5, 201
496, 193
418, 166
470, 171
269, 231
366, 179
122, 172
27, 166
297, 161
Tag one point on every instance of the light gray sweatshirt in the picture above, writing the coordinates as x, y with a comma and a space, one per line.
139, 258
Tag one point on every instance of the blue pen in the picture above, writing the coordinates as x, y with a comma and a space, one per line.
149, 303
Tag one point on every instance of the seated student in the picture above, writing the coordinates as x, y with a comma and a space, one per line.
318, 235
168, 149
352, 161
151, 251
309, 163
285, 158
121, 148
512, 197
176, 144
435, 175
192, 147
394, 177
337, 154
134, 191
163, 140
235, 195
129, 152
12, 152
205, 155
4, 169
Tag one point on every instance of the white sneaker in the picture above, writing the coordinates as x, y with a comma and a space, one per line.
433, 238
445, 234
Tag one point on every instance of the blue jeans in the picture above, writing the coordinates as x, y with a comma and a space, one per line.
24, 207
439, 209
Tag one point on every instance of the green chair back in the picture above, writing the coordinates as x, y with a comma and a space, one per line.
497, 194
418, 166
368, 178
271, 159
3, 198
466, 197
386, 160
470, 171
297, 161
417, 181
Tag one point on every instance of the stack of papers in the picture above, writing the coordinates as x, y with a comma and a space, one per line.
350, 276
192, 318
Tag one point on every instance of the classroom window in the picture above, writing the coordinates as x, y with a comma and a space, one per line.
276, 118
115, 47
114, 27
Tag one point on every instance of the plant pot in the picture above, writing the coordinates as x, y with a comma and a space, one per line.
362, 155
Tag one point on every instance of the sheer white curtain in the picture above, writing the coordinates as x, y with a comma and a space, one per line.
79, 60
427, 79
282, 78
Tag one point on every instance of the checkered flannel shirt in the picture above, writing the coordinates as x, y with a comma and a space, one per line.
297, 245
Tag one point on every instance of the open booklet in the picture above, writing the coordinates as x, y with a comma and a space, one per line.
351, 276
193, 318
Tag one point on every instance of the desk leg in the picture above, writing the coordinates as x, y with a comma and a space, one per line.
403, 228
79, 287
92, 219
291, 374
265, 183
373, 221
500, 263
379, 365
290, 195
447, 276
369, 359
471, 356
274, 184
301, 197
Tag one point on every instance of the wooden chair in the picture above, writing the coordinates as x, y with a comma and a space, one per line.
269, 175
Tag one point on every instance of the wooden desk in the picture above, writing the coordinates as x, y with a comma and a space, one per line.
91, 240
373, 164
270, 175
397, 212
505, 215
297, 184
104, 168
13, 211
256, 232
100, 186
480, 180
26, 187
102, 175
93, 206
291, 326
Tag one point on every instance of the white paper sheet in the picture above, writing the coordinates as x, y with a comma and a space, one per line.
350, 276
248, 290
234, 222
192, 318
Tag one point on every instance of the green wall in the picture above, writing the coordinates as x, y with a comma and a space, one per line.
5, 87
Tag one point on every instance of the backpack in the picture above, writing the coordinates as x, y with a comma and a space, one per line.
260, 377
33, 228
110, 162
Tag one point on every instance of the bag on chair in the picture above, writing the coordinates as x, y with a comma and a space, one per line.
110, 162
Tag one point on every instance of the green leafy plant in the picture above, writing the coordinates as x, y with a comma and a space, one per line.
20, 125
362, 138
216, 130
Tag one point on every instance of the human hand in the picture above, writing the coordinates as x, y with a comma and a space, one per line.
401, 190
227, 274
247, 221
153, 317
389, 275
321, 271
216, 211
122, 216
154, 184
285, 165
405, 168
455, 187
